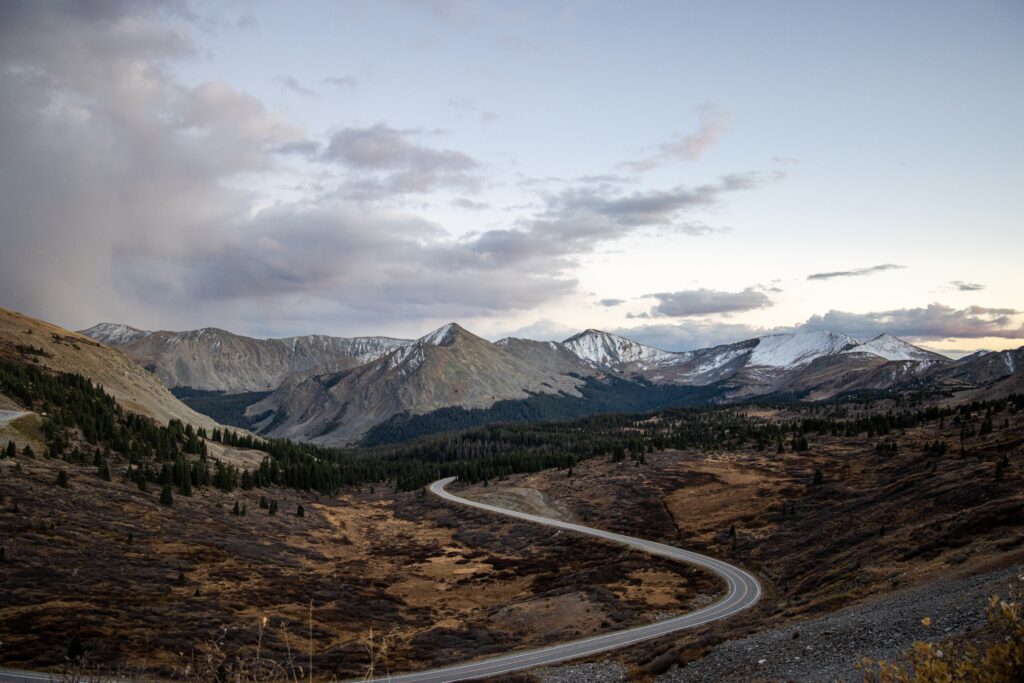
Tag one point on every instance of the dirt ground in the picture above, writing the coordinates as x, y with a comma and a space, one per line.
877, 521
167, 590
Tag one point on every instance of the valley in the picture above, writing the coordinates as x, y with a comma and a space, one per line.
449, 341
277, 558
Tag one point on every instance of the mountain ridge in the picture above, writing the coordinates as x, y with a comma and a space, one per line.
332, 390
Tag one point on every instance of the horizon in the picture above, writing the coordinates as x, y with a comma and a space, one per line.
682, 175
563, 340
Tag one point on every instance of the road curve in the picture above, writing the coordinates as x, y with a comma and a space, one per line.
744, 591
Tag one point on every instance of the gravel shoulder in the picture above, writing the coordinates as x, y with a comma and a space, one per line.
829, 648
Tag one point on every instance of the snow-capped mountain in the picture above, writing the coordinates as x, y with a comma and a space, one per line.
893, 348
114, 334
792, 350
447, 367
771, 353
605, 349
333, 390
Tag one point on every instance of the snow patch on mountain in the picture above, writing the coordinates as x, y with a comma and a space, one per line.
442, 336
792, 350
114, 334
892, 348
601, 348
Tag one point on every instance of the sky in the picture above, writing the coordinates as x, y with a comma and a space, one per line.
682, 173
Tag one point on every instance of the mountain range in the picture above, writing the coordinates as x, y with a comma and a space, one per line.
337, 390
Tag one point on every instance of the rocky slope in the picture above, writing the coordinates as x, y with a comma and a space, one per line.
333, 389
214, 359
448, 367
66, 351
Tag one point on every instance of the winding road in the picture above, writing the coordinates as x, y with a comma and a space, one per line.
744, 591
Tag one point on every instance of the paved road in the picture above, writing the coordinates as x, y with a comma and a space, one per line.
744, 591
8, 415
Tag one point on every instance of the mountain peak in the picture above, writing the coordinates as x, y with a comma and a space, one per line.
604, 348
790, 350
444, 335
890, 347
114, 334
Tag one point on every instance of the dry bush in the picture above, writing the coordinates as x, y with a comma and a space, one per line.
1000, 659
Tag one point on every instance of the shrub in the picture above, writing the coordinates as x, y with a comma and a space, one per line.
1000, 661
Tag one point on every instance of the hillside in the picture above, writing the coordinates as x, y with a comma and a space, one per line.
217, 360
449, 366
62, 350
333, 390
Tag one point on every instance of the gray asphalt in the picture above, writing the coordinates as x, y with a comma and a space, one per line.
744, 591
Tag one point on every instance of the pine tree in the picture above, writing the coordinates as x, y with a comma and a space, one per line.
166, 497
818, 478
236, 510
104, 471
75, 649
273, 507
300, 512
62, 479
12, 450
27, 451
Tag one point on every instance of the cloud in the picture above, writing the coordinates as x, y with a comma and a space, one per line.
713, 121
345, 82
393, 163
138, 197
610, 303
292, 84
544, 329
488, 117
697, 302
934, 322
967, 286
574, 221
856, 272
463, 203
115, 157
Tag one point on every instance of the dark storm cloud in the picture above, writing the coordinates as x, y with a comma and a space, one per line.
698, 302
611, 303
855, 272
129, 201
